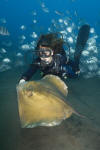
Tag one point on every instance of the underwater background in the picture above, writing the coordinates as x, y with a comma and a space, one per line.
21, 24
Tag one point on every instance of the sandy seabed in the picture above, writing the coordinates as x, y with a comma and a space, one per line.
75, 133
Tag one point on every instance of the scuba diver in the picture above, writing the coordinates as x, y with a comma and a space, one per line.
52, 59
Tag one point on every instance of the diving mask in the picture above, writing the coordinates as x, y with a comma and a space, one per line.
44, 52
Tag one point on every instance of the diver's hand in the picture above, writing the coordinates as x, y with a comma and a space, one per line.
77, 72
22, 81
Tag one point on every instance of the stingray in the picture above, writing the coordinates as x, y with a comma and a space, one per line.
43, 102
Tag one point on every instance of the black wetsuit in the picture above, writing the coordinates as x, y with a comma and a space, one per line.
58, 66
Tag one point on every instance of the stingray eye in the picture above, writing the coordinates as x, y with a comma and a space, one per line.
29, 93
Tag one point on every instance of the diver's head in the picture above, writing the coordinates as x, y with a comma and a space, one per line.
45, 54
51, 40
49, 45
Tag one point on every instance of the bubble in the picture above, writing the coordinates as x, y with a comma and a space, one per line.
70, 39
3, 50
25, 47
65, 22
92, 30
23, 27
60, 20
19, 55
6, 60
34, 35
69, 29
34, 21
85, 53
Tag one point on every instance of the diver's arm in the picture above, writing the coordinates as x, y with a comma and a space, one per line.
31, 71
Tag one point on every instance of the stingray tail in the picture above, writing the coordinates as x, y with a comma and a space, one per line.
82, 116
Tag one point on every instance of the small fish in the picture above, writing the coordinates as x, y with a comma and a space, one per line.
44, 8
4, 31
58, 13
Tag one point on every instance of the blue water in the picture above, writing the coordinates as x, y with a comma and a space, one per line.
23, 17
20, 17
20, 12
